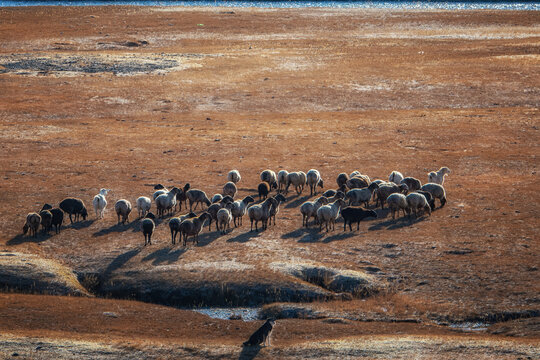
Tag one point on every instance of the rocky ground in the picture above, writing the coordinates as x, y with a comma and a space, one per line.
127, 97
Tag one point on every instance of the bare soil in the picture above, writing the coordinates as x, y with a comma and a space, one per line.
127, 97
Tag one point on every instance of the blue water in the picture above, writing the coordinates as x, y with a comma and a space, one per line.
450, 5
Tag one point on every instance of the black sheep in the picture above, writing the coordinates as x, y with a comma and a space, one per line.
57, 217
46, 220
264, 190
148, 226
352, 214
428, 197
74, 206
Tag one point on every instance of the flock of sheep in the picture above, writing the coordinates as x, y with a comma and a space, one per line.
399, 193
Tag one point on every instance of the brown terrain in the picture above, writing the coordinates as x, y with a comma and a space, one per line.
128, 97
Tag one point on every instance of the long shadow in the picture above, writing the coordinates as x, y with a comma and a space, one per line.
244, 237
119, 261
207, 238
249, 352
312, 237
299, 201
165, 254
81, 224
297, 233
20, 238
405, 222
117, 228
340, 236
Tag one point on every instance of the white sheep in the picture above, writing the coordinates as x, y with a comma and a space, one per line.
309, 209
229, 189
100, 203
234, 176
282, 180
239, 207
438, 176
437, 191
415, 202
261, 212
270, 177
328, 214
143, 205
224, 218
359, 196
216, 198
397, 202
196, 196
166, 202
159, 192
122, 208
395, 177
313, 178
298, 179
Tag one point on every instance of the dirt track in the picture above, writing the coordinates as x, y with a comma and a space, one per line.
127, 97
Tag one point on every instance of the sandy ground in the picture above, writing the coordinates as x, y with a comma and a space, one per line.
126, 97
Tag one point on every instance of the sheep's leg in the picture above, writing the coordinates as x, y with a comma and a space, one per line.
358, 225
251, 225
443, 201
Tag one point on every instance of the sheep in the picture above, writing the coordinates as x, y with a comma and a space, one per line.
159, 187
261, 212
57, 217
270, 177
32, 223
437, 177
181, 197
428, 197
275, 209
329, 213
264, 189
282, 180
357, 196
436, 191
397, 202
385, 190
196, 196
122, 208
309, 209
229, 189
412, 183
174, 225
143, 205
224, 218
193, 227
74, 206
415, 202
234, 176
147, 227
238, 209
166, 202
357, 183
214, 208
100, 203
395, 177
298, 179
342, 179
355, 214
159, 192
216, 198
46, 220
313, 178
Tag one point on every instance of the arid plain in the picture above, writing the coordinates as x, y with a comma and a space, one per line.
128, 97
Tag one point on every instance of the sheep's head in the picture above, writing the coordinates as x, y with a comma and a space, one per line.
175, 190
322, 200
427, 209
340, 203
280, 198
373, 186
248, 199
321, 184
404, 188
371, 213
46, 207
227, 200
444, 170
187, 187
150, 215
84, 213
158, 187
340, 194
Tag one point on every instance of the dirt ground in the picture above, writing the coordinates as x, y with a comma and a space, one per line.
127, 97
